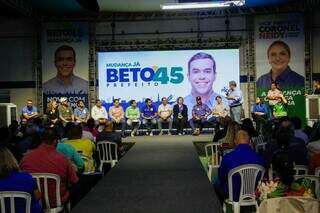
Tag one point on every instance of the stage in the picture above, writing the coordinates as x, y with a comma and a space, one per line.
158, 174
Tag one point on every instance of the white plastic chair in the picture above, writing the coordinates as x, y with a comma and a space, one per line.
317, 172
108, 153
301, 170
250, 176
314, 179
12, 195
43, 180
212, 157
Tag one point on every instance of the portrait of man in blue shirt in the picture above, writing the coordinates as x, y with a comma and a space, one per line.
201, 75
279, 56
65, 82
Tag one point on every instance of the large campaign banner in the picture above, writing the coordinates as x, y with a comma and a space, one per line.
280, 45
155, 74
65, 64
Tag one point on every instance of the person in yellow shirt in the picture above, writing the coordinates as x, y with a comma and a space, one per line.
84, 146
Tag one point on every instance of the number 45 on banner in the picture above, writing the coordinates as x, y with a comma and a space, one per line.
161, 75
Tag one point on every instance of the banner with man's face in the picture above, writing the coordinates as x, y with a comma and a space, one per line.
280, 44
65, 65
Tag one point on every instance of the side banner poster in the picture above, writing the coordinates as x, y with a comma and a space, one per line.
65, 64
176, 73
280, 45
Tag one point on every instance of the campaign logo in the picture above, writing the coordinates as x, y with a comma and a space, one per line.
133, 72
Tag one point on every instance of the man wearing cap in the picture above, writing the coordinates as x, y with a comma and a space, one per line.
200, 113
234, 96
65, 111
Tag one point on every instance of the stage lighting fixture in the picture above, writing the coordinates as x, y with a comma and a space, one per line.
202, 5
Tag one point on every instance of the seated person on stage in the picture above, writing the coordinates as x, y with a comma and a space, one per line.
273, 95
200, 113
52, 113
180, 115
241, 155
65, 111
108, 134
219, 110
280, 108
99, 113
29, 112
116, 114
12, 179
46, 159
164, 113
259, 113
133, 117
81, 113
149, 114
84, 146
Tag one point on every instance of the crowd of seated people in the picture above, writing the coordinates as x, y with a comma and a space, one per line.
286, 145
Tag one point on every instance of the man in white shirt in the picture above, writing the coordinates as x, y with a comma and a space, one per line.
164, 112
99, 113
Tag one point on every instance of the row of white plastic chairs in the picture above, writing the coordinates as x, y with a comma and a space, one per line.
107, 153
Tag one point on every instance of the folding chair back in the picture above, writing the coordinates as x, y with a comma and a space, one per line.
12, 195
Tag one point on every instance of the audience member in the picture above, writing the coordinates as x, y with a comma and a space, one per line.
242, 154
90, 127
12, 179
110, 135
85, 147
247, 125
228, 140
298, 131
180, 115
164, 113
46, 159
221, 133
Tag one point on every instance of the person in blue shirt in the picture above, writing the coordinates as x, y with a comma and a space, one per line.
279, 56
149, 114
241, 155
29, 112
81, 113
65, 82
259, 113
201, 75
234, 96
12, 179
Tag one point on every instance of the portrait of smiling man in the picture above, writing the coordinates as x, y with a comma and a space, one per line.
65, 82
201, 75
